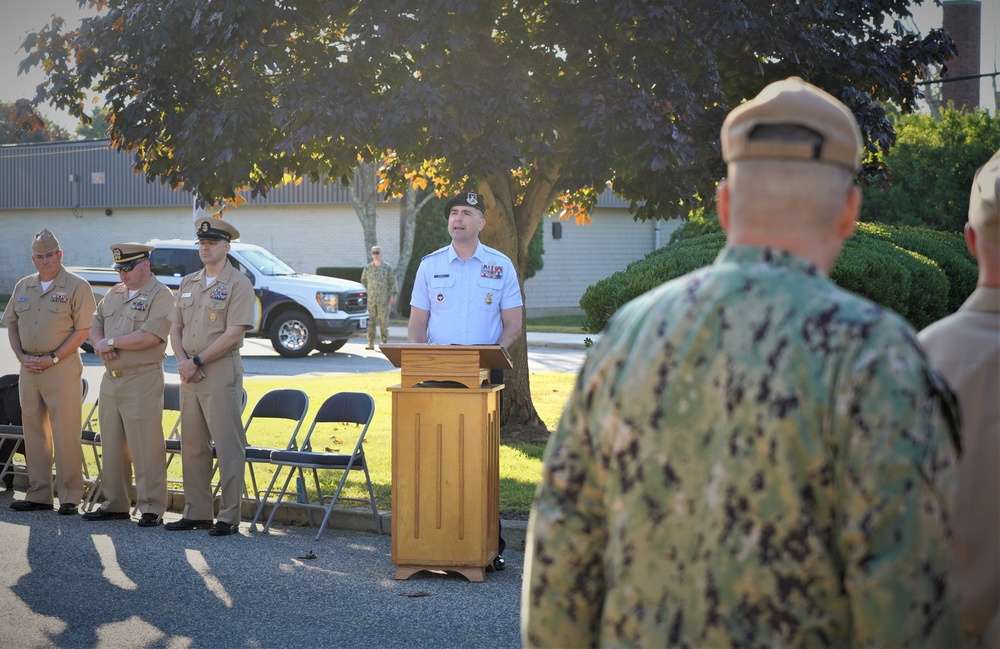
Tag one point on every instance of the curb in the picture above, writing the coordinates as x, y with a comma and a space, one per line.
351, 519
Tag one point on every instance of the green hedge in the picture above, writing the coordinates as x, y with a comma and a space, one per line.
947, 249
601, 300
343, 272
916, 272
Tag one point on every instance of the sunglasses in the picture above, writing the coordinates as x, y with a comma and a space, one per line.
125, 268
376, 253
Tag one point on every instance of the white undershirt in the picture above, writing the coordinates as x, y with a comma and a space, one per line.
132, 294
209, 280
46, 285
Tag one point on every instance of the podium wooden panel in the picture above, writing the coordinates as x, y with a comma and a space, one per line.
445, 459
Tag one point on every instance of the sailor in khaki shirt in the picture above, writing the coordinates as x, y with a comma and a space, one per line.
129, 333
965, 348
47, 319
213, 309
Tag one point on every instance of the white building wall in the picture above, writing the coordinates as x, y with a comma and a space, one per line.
311, 236
588, 253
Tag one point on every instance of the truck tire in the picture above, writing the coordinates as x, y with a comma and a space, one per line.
293, 334
330, 346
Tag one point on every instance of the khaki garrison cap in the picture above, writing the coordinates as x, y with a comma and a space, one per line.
44, 242
126, 253
984, 202
212, 227
793, 102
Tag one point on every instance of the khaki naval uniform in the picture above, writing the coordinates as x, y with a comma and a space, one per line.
965, 348
131, 399
210, 408
51, 402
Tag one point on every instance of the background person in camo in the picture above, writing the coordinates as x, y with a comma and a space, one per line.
753, 456
47, 319
380, 282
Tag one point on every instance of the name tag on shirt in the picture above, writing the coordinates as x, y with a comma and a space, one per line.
440, 276
185, 295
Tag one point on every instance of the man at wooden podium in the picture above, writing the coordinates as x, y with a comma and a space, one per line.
466, 293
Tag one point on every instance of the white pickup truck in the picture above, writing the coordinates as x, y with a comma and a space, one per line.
298, 312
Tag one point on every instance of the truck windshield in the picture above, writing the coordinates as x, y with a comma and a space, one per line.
267, 263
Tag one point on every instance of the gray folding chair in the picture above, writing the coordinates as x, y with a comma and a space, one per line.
282, 403
342, 408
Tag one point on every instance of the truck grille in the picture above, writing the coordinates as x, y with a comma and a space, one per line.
356, 302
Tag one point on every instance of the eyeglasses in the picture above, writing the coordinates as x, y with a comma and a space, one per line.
376, 253
128, 267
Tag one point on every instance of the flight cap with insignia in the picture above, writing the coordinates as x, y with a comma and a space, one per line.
471, 199
793, 102
211, 227
44, 242
984, 201
125, 254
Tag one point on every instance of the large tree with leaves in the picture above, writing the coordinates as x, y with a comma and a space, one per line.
535, 103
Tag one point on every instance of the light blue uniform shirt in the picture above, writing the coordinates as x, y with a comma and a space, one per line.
465, 298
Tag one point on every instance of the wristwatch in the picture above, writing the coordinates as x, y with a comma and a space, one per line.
55, 359
111, 343
197, 360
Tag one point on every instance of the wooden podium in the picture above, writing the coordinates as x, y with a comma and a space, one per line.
445, 458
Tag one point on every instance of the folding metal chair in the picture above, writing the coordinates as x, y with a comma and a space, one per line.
172, 404
277, 404
341, 408
90, 436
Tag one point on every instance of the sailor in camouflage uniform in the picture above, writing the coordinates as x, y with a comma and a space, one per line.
380, 282
753, 456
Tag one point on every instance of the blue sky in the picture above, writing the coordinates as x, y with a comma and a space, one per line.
18, 17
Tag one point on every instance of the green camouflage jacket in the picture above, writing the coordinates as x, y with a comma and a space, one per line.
751, 457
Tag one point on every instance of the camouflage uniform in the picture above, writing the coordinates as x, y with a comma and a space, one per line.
380, 282
751, 457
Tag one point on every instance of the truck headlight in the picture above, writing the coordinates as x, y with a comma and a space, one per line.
329, 302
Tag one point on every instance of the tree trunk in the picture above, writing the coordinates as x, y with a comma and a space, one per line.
411, 204
364, 196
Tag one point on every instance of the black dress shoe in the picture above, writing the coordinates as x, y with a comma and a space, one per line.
186, 524
68, 509
150, 520
499, 563
105, 515
223, 529
28, 506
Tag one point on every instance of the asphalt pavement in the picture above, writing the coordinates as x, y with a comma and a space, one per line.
67, 582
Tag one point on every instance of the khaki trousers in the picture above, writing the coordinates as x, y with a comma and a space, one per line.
210, 410
52, 418
131, 417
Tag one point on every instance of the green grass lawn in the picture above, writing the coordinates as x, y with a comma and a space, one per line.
520, 464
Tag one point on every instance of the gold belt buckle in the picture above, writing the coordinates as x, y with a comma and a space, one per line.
116, 374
